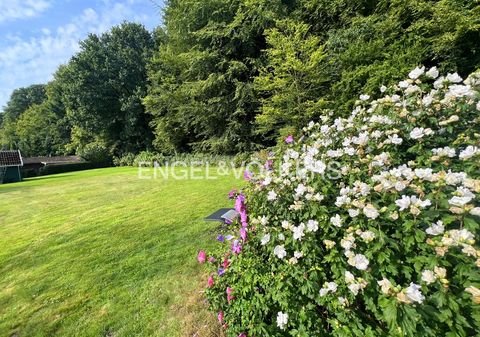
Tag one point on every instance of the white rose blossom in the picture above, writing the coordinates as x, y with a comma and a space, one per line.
370, 211
280, 251
282, 320
416, 73
298, 232
336, 220
414, 294
432, 73
272, 195
359, 261
428, 276
436, 228
265, 239
312, 225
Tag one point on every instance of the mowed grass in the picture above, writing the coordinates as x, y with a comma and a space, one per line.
104, 253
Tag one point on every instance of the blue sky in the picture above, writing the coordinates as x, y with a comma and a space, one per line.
36, 36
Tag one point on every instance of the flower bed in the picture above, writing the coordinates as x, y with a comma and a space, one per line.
366, 226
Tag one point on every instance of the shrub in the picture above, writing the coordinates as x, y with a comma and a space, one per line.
96, 152
367, 226
147, 157
127, 159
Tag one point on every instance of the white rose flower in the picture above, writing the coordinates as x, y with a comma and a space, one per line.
444, 152
342, 300
286, 224
438, 84
403, 203
383, 89
469, 152
349, 277
272, 196
440, 272
354, 288
300, 190
385, 285
419, 202
416, 73
432, 73
436, 228
367, 236
454, 78
329, 244
475, 211
332, 286
428, 276
394, 139
323, 292
336, 220
282, 320
264, 220
403, 84
418, 133
364, 97
298, 254
265, 239
312, 225
427, 100
280, 251
353, 212
298, 232
293, 260
370, 211
459, 201
478, 106
267, 181
414, 294
359, 261
400, 186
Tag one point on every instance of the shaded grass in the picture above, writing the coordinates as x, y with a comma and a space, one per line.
103, 253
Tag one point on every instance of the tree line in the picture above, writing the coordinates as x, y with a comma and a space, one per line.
231, 76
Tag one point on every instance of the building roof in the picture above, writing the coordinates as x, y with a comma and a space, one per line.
10, 158
53, 160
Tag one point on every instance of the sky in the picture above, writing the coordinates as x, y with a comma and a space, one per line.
36, 36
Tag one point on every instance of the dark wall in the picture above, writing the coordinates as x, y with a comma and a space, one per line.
12, 175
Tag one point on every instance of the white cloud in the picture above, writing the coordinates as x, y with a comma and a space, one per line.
34, 60
22, 9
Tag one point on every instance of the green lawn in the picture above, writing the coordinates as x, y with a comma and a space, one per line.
104, 253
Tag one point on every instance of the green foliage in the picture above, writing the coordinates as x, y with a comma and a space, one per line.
20, 101
96, 152
103, 86
368, 225
292, 79
202, 95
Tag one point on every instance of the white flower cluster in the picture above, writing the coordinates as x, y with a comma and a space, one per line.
354, 284
379, 182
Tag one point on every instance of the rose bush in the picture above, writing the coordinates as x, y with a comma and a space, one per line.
366, 226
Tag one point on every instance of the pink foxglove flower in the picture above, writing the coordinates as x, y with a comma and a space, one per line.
236, 247
289, 139
229, 294
220, 317
202, 256
243, 233
210, 281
